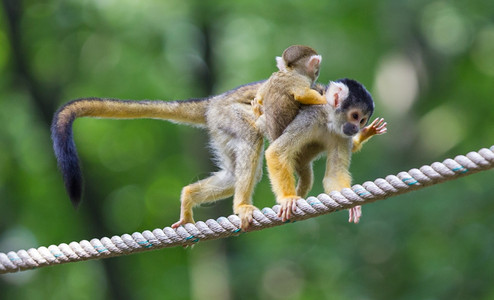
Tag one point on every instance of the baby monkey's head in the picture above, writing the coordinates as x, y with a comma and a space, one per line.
302, 59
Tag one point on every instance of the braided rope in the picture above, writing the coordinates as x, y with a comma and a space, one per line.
189, 234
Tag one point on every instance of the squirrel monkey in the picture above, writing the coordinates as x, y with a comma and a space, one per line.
279, 98
236, 142
338, 128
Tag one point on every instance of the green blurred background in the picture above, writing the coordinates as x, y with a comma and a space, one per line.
428, 64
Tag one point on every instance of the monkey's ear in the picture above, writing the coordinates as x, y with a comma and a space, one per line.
336, 93
280, 63
314, 62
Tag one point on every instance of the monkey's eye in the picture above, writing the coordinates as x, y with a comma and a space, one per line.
363, 121
355, 116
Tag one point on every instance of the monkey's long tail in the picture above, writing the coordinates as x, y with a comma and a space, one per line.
189, 111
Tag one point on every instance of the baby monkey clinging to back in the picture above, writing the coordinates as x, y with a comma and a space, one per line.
279, 98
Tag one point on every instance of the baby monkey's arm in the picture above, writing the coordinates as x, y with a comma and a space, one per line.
308, 96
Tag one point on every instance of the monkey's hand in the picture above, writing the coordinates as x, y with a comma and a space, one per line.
288, 206
377, 127
257, 106
245, 212
354, 214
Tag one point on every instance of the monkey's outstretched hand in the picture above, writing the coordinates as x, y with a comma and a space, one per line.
378, 126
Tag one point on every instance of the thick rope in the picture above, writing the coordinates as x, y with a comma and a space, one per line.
189, 234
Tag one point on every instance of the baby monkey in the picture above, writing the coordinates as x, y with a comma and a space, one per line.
278, 99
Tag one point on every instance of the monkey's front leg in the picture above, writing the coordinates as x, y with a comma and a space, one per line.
280, 171
337, 182
337, 176
378, 126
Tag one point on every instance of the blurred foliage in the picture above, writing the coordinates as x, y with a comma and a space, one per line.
429, 65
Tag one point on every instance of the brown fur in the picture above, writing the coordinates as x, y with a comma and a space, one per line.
280, 97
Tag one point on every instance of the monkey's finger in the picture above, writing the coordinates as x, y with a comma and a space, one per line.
382, 125
283, 216
245, 224
249, 220
382, 129
358, 210
375, 121
354, 214
294, 206
287, 213
280, 212
378, 122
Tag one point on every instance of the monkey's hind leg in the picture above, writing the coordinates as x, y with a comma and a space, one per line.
248, 171
218, 186
282, 181
305, 179
303, 168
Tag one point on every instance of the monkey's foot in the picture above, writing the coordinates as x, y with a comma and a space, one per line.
246, 214
354, 214
183, 221
288, 206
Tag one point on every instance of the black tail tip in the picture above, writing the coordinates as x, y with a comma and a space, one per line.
74, 191
75, 202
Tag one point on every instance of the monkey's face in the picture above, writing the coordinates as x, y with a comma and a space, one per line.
353, 106
355, 120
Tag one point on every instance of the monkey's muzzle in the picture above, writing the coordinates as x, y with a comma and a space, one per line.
350, 129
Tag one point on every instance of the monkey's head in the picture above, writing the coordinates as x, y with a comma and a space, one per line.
352, 103
302, 59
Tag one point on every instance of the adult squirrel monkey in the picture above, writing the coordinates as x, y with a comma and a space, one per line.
337, 128
236, 142
279, 98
